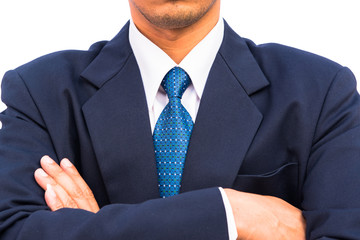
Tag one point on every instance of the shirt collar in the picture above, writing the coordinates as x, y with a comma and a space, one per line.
154, 63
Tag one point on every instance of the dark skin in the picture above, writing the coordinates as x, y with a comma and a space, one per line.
176, 27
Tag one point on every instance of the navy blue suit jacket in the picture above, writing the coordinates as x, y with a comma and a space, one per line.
272, 120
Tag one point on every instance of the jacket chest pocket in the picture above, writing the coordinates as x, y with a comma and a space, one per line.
282, 183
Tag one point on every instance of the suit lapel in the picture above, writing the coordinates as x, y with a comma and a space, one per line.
118, 122
227, 119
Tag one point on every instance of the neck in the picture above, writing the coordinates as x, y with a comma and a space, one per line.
177, 43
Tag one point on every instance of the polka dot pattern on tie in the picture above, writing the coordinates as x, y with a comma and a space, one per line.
172, 134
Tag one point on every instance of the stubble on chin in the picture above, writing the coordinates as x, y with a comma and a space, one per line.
168, 21
176, 18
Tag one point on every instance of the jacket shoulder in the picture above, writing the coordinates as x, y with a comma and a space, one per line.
273, 56
59, 64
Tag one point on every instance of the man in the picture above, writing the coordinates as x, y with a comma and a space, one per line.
274, 137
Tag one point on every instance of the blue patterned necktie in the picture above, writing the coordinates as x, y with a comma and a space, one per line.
172, 134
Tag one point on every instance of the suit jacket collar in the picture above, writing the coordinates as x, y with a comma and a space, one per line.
234, 50
110, 60
241, 61
119, 127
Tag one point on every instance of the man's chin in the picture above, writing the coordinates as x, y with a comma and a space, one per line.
174, 21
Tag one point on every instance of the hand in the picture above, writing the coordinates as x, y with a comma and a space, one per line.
64, 187
265, 217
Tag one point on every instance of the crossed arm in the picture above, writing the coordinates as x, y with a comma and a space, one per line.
256, 216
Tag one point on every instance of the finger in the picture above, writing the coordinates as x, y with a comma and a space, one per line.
52, 200
44, 181
71, 171
42, 178
61, 178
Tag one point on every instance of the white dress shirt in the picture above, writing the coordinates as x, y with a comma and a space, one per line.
154, 63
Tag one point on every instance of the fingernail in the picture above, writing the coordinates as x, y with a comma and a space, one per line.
66, 163
50, 191
47, 160
42, 172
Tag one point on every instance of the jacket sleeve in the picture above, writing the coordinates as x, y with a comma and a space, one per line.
23, 212
331, 192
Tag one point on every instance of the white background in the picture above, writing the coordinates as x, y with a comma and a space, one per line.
31, 28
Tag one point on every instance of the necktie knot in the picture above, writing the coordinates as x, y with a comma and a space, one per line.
175, 82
